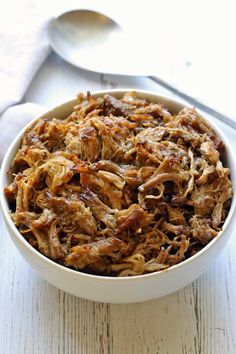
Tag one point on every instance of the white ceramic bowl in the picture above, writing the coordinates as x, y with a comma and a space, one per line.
113, 289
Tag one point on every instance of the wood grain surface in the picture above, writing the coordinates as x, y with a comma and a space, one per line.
37, 318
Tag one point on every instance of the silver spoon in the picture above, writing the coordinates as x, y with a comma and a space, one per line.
92, 41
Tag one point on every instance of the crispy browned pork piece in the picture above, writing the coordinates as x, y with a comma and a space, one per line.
120, 187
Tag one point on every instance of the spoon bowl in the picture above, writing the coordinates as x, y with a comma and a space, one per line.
93, 41
81, 37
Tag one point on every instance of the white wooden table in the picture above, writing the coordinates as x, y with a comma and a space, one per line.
37, 318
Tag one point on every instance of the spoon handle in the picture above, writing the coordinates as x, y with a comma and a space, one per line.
198, 104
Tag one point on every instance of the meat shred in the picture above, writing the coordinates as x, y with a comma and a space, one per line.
120, 187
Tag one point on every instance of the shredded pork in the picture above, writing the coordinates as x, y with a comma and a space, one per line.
120, 187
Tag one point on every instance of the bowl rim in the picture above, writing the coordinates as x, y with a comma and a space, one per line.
5, 210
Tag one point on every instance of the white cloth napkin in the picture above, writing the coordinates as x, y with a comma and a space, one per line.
24, 46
